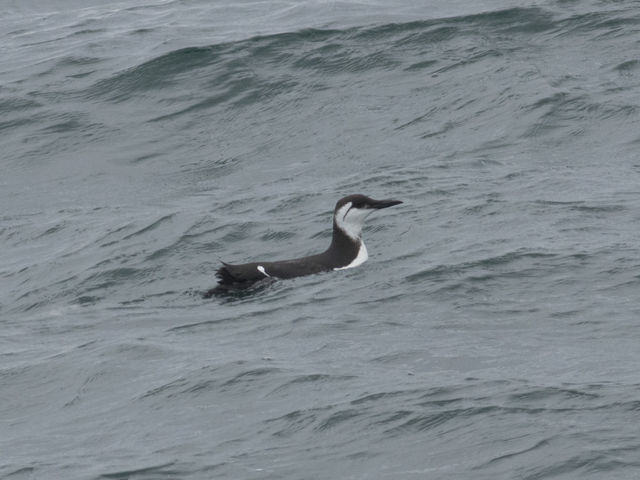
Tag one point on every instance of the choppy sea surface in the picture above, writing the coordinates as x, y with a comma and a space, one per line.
494, 332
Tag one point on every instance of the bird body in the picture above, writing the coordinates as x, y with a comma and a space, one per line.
347, 250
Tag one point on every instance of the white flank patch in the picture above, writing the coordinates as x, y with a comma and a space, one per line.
261, 270
350, 220
362, 257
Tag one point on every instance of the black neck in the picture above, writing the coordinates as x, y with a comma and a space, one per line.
343, 248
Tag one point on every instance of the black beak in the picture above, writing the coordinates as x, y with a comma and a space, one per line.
384, 203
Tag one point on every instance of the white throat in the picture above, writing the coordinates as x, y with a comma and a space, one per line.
351, 220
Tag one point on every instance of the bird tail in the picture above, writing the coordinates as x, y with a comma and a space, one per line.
226, 281
225, 276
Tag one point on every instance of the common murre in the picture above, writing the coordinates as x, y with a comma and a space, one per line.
347, 250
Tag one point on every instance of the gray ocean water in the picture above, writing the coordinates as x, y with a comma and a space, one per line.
494, 332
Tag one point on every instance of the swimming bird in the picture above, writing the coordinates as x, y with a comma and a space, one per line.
347, 250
